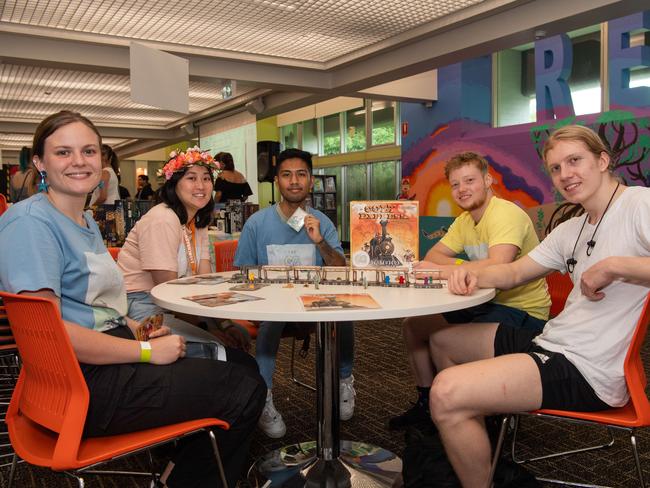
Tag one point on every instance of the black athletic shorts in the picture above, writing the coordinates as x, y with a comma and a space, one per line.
563, 386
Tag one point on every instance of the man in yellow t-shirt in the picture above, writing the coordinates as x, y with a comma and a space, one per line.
489, 231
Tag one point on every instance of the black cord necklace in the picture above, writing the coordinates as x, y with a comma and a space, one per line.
591, 243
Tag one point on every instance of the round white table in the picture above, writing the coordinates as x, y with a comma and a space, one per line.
335, 463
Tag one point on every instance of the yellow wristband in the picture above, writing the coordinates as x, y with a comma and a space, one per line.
145, 352
459, 261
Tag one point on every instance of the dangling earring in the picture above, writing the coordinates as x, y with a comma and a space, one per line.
42, 186
101, 184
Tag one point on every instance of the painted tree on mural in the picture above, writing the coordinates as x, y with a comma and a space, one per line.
629, 141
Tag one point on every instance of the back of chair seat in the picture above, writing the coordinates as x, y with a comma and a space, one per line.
224, 255
51, 389
114, 252
559, 287
3, 204
633, 367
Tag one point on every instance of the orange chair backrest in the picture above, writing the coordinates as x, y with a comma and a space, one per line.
51, 390
559, 287
633, 367
114, 251
224, 255
3, 204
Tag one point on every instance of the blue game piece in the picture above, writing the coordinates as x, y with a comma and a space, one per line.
387, 279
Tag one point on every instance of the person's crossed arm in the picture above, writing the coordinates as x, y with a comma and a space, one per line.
441, 257
463, 281
632, 269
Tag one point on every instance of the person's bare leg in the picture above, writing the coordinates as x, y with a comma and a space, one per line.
461, 395
461, 343
416, 332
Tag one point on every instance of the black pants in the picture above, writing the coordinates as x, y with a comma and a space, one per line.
130, 397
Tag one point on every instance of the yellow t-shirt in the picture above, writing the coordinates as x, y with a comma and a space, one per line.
502, 223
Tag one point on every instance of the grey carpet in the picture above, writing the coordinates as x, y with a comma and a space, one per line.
384, 388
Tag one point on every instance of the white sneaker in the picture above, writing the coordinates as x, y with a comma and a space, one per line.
271, 421
346, 398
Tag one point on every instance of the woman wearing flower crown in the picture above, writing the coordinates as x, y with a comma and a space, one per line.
171, 241
62, 257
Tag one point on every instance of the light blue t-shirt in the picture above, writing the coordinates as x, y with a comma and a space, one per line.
40, 248
268, 239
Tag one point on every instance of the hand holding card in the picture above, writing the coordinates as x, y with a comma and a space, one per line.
147, 326
297, 220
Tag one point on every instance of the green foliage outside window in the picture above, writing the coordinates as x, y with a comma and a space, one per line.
356, 141
383, 135
331, 145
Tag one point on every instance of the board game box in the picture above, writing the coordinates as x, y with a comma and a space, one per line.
384, 233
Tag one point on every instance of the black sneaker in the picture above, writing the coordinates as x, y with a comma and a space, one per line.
416, 415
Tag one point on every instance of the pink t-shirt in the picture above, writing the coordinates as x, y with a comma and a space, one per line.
156, 243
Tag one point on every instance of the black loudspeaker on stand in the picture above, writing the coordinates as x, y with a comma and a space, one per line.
267, 155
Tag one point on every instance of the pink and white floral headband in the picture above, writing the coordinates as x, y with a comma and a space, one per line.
179, 160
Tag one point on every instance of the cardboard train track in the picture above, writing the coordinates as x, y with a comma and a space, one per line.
340, 275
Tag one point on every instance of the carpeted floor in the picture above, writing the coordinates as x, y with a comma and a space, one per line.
384, 388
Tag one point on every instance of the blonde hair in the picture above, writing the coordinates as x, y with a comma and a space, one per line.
587, 136
466, 158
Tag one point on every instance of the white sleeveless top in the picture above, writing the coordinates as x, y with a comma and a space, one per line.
113, 189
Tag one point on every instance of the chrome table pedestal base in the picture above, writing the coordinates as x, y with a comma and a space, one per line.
329, 462
359, 465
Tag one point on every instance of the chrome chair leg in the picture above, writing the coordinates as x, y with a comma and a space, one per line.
12, 471
636, 458
215, 449
293, 367
80, 480
497, 450
609, 443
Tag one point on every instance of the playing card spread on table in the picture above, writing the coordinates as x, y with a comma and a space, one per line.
222, 298
204, 279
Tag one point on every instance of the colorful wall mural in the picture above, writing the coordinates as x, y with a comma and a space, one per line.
454, 125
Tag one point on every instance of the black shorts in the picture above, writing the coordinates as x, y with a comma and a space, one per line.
563, 386
495, 312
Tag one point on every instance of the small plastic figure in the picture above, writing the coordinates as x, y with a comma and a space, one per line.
365, 282
401, 280
387, 280
426, 281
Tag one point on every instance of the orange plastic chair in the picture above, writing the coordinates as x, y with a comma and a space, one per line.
559, 287
224, 256
48, 409
9, 369
635, 414
3, 204
115, 252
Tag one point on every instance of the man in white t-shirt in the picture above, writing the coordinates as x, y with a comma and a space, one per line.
576, 363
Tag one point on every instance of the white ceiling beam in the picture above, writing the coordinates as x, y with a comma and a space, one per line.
20, 48
510, 23
112, 131
479, 37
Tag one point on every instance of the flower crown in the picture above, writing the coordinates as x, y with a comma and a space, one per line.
179, 160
